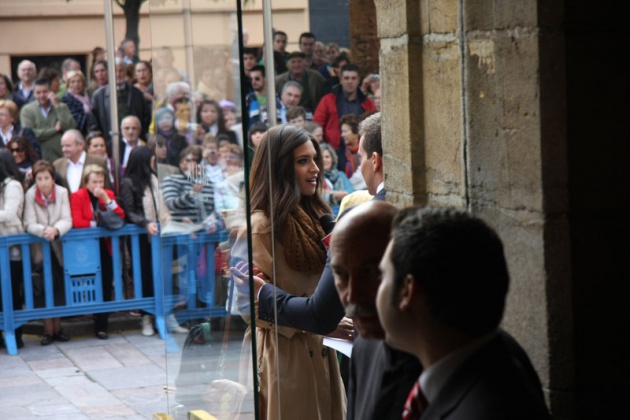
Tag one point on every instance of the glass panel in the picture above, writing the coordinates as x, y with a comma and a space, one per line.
195, 74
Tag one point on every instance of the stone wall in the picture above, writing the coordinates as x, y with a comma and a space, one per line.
475, 116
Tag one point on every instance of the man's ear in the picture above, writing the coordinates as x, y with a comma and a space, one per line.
377, 161
408, 293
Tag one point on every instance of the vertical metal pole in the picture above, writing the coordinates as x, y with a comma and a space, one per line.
113, 96
188, 41
269, 62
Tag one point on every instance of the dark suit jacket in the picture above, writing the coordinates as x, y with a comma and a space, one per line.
21, 100
61, 166
380, 380
136, 105
496, 382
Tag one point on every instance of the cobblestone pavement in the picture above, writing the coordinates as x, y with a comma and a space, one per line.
119, 378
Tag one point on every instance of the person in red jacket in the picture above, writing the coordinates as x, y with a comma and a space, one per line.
82, 205
346, 98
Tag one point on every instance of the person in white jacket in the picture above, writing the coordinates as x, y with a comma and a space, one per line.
11, 207
47, 215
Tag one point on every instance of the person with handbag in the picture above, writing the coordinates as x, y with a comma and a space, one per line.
11, 207
92, 206
47, 215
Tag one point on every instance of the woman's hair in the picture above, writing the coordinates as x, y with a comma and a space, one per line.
155, 140
139, 169
351, 121
74, 73
194, 150
7, 81
277, 147
259, 127
24, 143
43, 166
333, 154
148, 65
96, 63
93, 169
220, 118
236, 150
94, 135
11, 107
311, 126
8, 167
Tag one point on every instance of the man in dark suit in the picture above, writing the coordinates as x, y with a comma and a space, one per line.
442, 297
380, 377
130, 128
70, 168
130, 102
27, 72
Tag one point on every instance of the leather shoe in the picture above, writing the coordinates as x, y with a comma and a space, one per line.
102, 335
46, 340
61, 337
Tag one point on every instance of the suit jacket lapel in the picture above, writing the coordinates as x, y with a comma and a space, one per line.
462, 381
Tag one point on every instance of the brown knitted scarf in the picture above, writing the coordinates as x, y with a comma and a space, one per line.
302, 241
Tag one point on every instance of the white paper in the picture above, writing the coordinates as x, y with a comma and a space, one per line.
343, 346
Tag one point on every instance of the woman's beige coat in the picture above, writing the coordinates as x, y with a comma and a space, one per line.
308, 375
37, 217
11, 208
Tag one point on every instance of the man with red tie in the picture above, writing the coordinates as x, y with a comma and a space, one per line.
442, 297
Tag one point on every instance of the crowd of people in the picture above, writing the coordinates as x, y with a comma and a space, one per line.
182, 166
180, 151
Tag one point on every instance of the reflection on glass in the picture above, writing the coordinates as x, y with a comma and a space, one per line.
200, 168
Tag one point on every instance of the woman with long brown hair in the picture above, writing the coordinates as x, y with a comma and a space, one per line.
285, 185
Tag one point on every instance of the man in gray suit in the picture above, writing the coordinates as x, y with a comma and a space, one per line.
442, 297
70, 167
48, 118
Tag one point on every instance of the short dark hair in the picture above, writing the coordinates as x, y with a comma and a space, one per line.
306, 35
194, 150
260, 68
40, 81
156, 140
43, 166
295, 112
457, 260
350, 67
350, 120
340, 59
280, 33
49, 73
250, 51
370, 130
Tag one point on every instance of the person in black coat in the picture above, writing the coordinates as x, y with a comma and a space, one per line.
140, 195
130, 102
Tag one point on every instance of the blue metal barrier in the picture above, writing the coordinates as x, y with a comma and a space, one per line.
83, 279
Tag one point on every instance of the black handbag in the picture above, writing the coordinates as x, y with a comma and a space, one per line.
109, 219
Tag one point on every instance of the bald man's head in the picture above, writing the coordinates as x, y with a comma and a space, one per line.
357, 246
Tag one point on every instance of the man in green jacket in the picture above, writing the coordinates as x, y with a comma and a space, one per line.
48, 118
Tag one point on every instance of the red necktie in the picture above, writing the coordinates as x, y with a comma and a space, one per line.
416, 403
